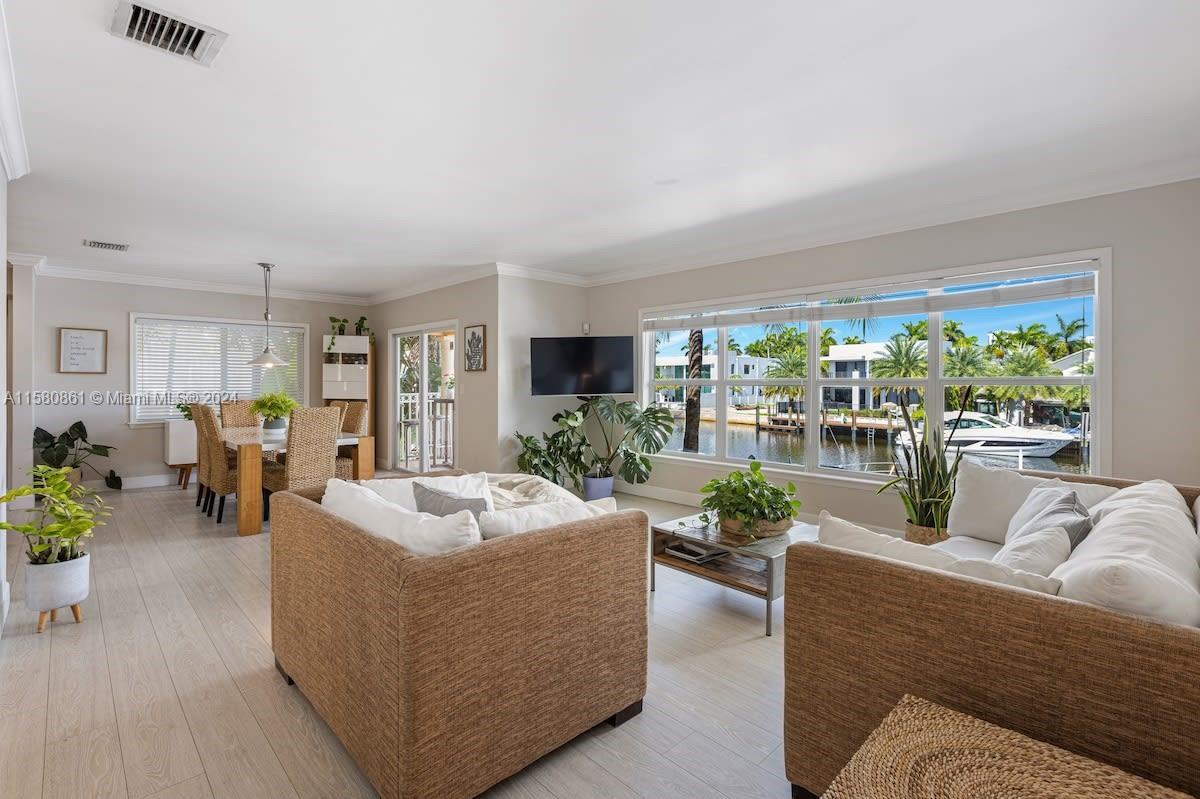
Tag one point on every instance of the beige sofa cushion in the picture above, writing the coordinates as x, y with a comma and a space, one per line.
964, 546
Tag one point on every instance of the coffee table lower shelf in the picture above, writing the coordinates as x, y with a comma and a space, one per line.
733, 571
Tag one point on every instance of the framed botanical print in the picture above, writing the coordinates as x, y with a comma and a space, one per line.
475, 348
82, 351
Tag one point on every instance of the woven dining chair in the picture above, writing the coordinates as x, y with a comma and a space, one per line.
238, 413
355, 424
311, 452
222, 476
201, 454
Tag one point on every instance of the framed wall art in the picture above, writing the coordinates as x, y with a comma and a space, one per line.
82, 351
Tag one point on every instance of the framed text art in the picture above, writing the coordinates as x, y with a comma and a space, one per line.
82, 351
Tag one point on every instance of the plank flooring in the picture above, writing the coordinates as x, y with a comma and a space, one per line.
167, 690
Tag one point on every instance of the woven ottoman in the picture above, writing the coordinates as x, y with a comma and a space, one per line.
925, 751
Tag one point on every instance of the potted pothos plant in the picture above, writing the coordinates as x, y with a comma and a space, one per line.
748, 505
275, 408
925, 476
56, 572
597, 441
71, 450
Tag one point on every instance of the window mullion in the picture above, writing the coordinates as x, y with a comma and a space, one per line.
935, 396
812, 399
720, 404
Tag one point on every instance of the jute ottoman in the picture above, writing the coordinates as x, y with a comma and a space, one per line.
925, 751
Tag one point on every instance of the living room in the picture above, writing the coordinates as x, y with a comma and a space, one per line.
634, 401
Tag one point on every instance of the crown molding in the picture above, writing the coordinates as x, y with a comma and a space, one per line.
13, 154
44, 269
26, 260
463, 275
545, 275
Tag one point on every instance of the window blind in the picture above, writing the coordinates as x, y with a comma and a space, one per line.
197, 359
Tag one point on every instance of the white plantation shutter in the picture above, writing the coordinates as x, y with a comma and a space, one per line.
207, 358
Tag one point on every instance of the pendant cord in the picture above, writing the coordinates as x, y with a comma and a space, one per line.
267, 291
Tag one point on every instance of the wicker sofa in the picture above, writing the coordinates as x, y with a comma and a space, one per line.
443, 675
861, 631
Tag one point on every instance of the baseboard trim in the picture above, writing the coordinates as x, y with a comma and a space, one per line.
141, 481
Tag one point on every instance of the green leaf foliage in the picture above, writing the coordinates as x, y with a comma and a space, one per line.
750, 498
600, 438
64, 516
925, 474
71, 450
275, 405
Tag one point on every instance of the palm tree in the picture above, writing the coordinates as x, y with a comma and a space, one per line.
917, 330
952, 332
1001, 342
1036, 335
867, 323
852, 340
903, 356
733, 347
965, 359
1026, 360
691, 402
791, 365
1069, 336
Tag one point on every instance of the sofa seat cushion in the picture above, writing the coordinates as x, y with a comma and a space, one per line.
494, 524
522, 490
964, 546
419, 533
833, 531
1142, 558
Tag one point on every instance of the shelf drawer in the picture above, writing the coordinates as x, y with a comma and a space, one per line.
343, 372
345, 389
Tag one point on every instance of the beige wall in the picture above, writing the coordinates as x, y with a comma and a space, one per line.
475, 302
530, 308
1155, 238
84, 303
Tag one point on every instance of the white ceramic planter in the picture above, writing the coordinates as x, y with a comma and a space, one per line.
50, 586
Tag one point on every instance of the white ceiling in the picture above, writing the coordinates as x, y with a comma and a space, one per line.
367, 147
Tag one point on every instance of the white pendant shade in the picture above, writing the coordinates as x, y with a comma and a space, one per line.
268, 359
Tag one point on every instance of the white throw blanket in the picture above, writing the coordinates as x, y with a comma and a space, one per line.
522, 490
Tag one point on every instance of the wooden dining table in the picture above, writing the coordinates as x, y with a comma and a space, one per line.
251, 442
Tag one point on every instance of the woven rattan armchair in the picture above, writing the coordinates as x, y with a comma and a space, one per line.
311, 451
220, 476
201, 454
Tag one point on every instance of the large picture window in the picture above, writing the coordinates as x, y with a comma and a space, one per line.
817, 381
174, 356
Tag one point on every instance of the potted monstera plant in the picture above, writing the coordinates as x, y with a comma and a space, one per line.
71, 450
597, 441
56, 573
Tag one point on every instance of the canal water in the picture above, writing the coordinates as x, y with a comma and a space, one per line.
840, 451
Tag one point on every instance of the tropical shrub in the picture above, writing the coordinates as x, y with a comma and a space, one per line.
71, 450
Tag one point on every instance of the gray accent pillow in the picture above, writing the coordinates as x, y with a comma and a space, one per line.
441, 503
1051, 507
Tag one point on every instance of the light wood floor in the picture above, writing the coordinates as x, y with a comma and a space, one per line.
167, 689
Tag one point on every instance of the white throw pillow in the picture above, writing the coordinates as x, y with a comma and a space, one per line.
493, 524
400, 490
1152, 492
841, 533
419, 533
1039, 551
1039, 499
985, 500
1051, 506
1142, 558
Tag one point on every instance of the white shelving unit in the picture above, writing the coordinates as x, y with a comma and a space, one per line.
347, 371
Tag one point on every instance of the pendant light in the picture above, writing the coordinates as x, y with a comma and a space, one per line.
268, 359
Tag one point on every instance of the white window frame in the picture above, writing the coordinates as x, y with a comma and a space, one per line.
1100, 456
133, 372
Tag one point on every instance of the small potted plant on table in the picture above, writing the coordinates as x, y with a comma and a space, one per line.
274, 408
56, 574
749, 506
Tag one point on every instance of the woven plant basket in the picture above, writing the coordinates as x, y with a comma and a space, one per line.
732, 531
923, 535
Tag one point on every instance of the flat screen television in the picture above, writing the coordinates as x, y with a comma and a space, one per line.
581, 365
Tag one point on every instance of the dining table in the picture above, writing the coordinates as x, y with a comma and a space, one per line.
251, 442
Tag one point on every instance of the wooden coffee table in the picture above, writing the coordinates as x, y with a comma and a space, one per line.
755, 569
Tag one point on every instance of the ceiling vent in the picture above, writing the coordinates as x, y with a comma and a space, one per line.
174, 35
105, 245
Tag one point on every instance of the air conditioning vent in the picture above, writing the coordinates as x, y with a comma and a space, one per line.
175, 35
105, 245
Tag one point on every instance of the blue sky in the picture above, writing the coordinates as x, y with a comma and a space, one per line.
977, 322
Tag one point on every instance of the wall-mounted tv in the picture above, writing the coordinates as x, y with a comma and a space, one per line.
581, 365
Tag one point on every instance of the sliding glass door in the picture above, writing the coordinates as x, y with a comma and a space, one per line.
424, 391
